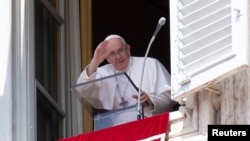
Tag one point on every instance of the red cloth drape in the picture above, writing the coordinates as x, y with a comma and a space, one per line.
151, 127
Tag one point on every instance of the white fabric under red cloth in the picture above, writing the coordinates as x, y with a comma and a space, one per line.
147, 129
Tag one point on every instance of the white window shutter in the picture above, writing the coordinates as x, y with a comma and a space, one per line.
209, 41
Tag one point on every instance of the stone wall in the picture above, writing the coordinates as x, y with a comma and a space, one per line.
226, 102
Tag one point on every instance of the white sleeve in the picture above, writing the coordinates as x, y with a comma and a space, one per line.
84, 77
98, 94
158, 94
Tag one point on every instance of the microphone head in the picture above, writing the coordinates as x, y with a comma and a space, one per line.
162, 21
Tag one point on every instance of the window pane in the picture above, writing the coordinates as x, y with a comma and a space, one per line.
46, 72
47, 120
46, 48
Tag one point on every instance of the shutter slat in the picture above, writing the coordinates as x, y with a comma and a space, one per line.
207, 37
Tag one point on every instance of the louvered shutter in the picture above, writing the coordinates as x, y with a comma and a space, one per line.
209, 41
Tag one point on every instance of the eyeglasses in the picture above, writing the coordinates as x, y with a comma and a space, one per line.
119, 51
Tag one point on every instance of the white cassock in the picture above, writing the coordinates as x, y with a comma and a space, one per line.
108, 94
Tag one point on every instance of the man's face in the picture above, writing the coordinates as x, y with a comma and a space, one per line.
119, 54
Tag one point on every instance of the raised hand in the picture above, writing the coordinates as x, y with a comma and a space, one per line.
100, 54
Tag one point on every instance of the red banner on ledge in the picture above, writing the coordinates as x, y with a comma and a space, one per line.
147, 129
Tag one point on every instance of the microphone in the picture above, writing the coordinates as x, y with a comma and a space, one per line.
161, 22
140, 108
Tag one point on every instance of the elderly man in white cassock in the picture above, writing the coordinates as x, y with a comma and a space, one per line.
112, 95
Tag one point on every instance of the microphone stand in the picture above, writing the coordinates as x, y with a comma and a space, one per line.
140, 107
